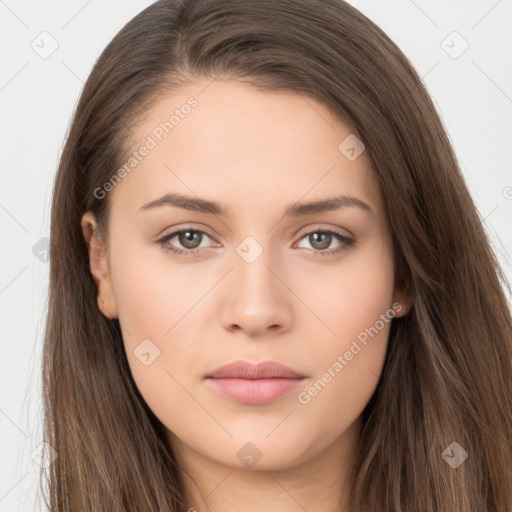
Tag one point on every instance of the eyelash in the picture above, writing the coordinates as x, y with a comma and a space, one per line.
347, 242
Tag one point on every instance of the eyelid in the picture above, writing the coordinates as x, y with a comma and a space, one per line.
324, 227
192, 226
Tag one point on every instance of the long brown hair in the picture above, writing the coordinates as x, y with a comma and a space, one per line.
448, 371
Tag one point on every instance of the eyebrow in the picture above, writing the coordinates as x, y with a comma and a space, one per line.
200, 205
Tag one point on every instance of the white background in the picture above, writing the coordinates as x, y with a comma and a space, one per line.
473, 94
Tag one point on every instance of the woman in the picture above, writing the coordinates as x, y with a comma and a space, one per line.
339, 339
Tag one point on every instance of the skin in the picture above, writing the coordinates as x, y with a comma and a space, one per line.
256, 152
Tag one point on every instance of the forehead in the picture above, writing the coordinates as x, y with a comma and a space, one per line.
233, 142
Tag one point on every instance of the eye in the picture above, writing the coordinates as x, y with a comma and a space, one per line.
321, 239
190, 241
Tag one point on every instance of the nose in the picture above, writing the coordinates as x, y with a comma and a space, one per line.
257, 298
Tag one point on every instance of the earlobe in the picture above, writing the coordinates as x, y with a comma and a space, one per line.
402, 302
98, 266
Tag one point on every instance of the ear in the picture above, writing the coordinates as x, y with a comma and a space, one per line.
98, 265
403, 301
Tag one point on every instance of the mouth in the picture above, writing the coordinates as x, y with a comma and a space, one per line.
254, 384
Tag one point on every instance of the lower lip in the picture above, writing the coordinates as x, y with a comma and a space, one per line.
254, 391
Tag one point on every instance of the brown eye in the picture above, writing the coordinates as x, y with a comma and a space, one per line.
186, 242
189, 239
321, 239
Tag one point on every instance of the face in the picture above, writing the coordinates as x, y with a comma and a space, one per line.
258, 279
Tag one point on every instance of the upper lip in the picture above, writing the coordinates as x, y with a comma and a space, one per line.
244, 370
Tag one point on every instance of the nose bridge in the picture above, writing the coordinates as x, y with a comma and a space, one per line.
258, 299
252, 269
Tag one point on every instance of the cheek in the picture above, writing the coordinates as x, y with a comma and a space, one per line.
348, 364
155, 301
351, 297
151, 294
347, 370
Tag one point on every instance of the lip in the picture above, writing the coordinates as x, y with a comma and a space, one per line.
264, 370
254, 384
